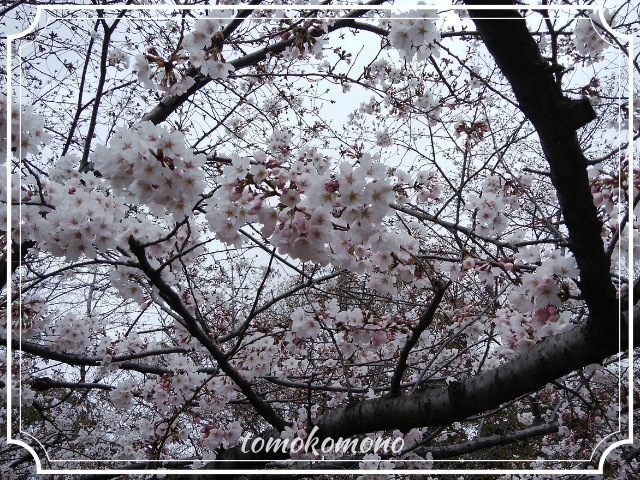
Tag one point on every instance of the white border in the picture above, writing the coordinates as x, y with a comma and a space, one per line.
39, 10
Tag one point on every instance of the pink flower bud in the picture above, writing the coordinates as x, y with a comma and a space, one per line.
330, 185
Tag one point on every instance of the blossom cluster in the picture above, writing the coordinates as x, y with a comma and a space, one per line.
304, 42
29, 318
71, 214
201, 48
117, 56
313, 214
83, 221
226, 437
474, 130
153, 164
352, 328
73, 334
488, 208
259, 356
534, 305
27, 129
65, 220
122, 396
588, 38
414, 32
425, 102
606, 185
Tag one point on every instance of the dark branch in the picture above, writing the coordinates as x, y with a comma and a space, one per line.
423, 324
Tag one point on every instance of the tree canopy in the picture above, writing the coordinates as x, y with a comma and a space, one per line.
341, 237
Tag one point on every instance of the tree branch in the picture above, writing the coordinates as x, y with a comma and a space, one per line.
450, 451
423, 324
